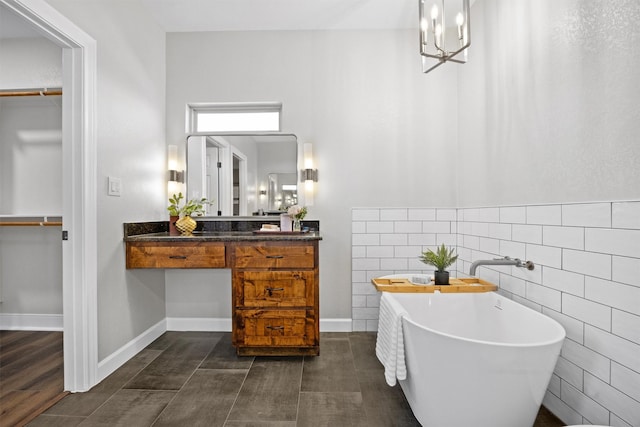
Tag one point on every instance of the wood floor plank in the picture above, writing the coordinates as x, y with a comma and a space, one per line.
31, 374
16, 405
176, 364
24, 406
196, 405
45, 420
13, 345
30, 353
333, 409
224, 356
34, 373
84, 404
270, 391
334, 371
130, 408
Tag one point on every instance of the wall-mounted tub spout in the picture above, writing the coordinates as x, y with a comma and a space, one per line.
500, 261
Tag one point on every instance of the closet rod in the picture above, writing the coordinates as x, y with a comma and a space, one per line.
30, 220
32, 92
31, 223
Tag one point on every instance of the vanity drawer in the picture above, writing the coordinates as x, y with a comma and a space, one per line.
276, 328
274, 288
176, 255
274, 255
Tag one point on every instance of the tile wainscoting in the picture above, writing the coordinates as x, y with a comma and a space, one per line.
587, 277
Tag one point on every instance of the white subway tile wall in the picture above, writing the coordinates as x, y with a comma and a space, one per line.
587, 277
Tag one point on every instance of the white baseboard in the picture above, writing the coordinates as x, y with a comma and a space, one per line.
118, 358
206, 324
31, 322
335, 325
224, 325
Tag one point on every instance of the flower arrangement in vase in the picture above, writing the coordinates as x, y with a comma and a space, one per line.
297, 213
184, 223
442, 258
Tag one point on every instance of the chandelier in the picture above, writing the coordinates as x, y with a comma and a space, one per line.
437, 33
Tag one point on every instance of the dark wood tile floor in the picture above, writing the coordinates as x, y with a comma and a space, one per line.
195, 379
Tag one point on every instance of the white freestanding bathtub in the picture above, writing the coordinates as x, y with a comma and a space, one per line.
476, 359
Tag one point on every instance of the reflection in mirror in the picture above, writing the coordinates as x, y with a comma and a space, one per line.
283, 190
243, 174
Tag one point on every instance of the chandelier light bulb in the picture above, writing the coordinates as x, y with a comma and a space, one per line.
434, 12
459, 19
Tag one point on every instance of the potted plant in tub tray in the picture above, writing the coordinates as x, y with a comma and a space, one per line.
442, 258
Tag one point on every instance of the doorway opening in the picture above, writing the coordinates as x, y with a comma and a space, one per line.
79, 249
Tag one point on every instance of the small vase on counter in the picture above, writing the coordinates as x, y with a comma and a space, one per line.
173, 231
186, 225
297, 213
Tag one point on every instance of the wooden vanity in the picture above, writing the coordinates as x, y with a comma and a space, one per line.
275, 282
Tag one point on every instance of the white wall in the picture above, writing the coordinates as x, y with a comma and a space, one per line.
31, 154
29, 63
131, 146
382, 133
548, 103
31, 277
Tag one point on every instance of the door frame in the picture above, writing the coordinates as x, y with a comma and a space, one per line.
79, 186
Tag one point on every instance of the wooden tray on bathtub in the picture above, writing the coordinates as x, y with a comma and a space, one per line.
464, 284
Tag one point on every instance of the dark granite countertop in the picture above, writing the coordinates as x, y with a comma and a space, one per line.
223, 236
216, 230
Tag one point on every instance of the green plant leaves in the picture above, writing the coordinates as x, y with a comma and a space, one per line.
442, 258
191, 207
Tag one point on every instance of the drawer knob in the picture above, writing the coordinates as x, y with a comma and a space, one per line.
177, 257
275, 328
275, 256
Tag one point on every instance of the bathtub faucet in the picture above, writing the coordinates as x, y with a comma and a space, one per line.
500, 261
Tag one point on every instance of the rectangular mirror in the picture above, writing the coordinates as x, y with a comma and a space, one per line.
243, 173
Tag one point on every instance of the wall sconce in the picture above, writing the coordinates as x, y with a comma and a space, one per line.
433, 32
263, 192
308, 175
175, 175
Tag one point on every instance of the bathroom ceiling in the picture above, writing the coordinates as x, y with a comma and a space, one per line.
249, 15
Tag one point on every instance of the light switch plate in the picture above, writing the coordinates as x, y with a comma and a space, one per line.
114, 186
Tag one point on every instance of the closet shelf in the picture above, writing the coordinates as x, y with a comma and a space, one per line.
30, 220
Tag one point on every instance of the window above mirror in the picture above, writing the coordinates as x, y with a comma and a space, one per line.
235, 117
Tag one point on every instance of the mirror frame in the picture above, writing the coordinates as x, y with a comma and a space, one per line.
299, 162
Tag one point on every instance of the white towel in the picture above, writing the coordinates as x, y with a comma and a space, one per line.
390, 341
